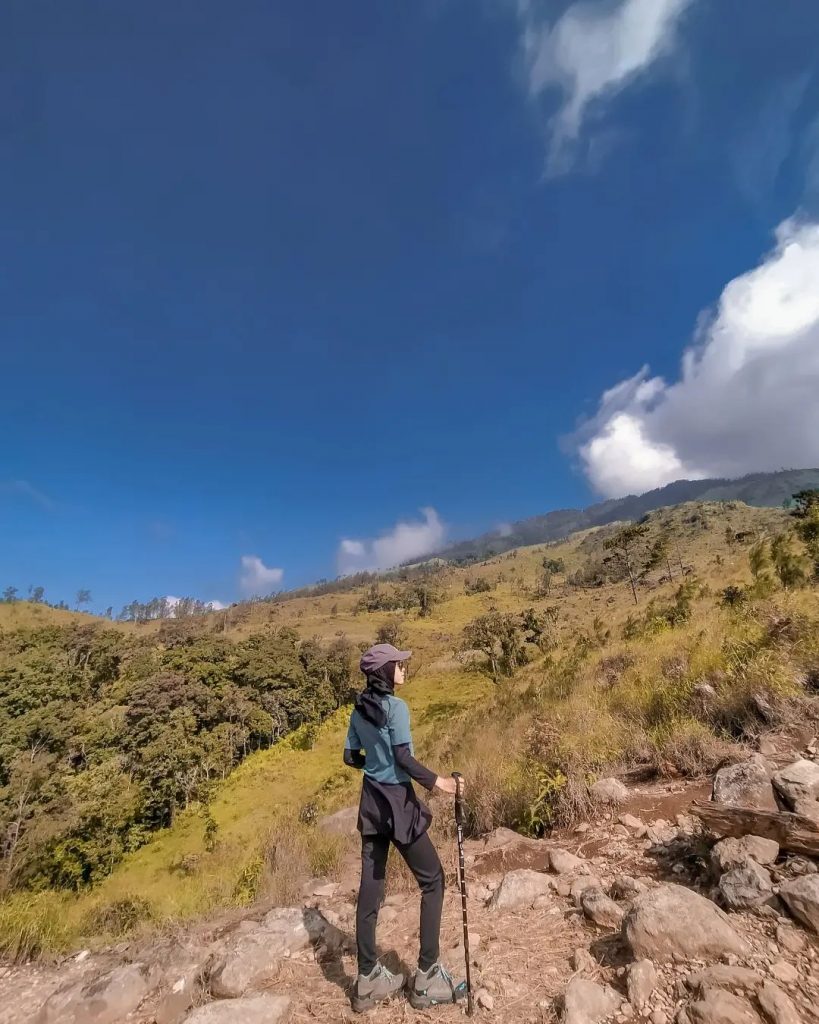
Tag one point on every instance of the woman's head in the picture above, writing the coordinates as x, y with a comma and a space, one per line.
385, 663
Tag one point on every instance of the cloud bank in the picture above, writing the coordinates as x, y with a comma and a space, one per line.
405, 542
591, 53
257, 578
748, 394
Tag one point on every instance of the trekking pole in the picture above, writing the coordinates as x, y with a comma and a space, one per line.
459, 825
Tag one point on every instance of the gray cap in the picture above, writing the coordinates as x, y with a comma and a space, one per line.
379, 655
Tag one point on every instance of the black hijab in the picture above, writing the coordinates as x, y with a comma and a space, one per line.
380, 683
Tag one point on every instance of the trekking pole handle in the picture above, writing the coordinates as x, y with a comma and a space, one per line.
459, 798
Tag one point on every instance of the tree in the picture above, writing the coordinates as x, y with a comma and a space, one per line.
761, 564
624, 545
10, 595
660, 553
806, 514
791, 565
498, 636
83, 597
37, 594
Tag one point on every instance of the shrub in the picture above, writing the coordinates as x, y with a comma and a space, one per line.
117, 918
32, 924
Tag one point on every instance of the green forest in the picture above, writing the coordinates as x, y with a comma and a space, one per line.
106, 735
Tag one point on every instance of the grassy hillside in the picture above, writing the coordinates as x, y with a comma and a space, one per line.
668, 685
756, 489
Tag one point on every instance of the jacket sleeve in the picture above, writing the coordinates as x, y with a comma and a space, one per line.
404, 759
354, 758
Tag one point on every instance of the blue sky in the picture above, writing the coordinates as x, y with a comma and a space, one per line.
279, 278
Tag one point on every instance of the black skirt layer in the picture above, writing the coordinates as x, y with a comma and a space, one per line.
392, 809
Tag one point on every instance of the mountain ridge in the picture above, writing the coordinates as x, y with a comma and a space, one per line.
762, 490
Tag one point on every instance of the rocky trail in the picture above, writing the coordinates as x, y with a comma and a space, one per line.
638, 914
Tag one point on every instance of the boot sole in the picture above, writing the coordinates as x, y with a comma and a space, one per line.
360, 1005
419, 1002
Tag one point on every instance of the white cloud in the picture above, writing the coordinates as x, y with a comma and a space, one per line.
504, 530
258, 578
406, 541
591, 53
748, 394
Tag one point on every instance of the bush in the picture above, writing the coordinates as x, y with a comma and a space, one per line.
118, 917
32, 924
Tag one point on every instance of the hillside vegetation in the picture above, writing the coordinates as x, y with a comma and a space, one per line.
157, 771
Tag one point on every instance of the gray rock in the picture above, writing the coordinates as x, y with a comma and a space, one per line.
501, 837
732, 853
519, 889
105, 1000
723, 976
624, 887
801, 896
586, 1002
343, 822
583, 962
248, 964
798, 781
672, 921
746, 887
599, 908
776, 1005
807, 809
641, 981
564, 863
782, 971
747, 784
637, 826
181, 987
263, 1009
581, 884
609, 791
718, 1006
790, 939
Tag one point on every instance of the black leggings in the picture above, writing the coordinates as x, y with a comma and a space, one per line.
422, 860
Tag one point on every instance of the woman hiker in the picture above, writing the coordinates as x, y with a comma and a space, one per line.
390, 812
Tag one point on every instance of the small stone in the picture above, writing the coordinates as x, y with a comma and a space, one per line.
790, 939
659, 1017
801, 896
634, 824
784, 972
624, 887
747, 784
586, 1002
261, 1009
484, 999
582, 827
601, 909
519, 889
746, 887
581, 884
642, 980
564, 863
583, 962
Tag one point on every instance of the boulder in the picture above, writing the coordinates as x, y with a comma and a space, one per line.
564, 863
801, 896
599, 908
519, 889
747, 784
672, 921
263, 1009
733, 853
747, 887
105, 1000
785, 972
718, 1006
181, 987
776, 1005
289, 929
798, 781
609, 791
807, 809
586, 1002
641, 981
249, 963
343, 822
790, 939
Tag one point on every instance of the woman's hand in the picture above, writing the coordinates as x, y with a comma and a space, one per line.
448, 785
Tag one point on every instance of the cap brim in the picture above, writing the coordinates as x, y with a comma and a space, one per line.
403, 655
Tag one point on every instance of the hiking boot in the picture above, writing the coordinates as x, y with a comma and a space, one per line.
376, 987
435, 986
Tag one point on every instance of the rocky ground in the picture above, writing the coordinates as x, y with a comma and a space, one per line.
636, 915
